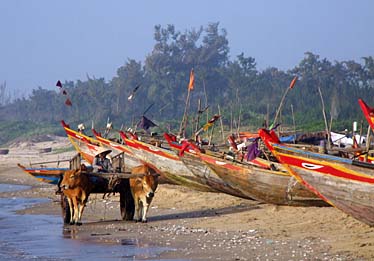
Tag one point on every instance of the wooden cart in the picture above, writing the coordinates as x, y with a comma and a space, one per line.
117, 182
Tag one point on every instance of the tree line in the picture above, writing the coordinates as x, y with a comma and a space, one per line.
245, 94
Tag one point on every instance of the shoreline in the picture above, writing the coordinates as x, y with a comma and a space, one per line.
206, 226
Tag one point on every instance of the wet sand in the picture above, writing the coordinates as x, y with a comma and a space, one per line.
200, 225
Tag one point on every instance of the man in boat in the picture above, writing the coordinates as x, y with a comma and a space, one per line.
102, 162
81, 128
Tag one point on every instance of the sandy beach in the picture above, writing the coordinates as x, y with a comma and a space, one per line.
196, 225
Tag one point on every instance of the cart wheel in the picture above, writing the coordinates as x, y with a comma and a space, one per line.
65, 209
127, 205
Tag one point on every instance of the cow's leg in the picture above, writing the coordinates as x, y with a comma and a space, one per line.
76, 209
145, 210
137, 209
70, 202
80, 212
81, 205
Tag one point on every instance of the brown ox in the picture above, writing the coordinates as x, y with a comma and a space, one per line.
143, 190
76, 186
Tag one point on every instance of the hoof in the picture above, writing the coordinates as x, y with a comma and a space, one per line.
137, 220
78, 223
71, 223
144, 221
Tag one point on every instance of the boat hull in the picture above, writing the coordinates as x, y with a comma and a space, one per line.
345, 184
268, 186
45, 175
167, 163
348, 189
207, 176
130, 159
85, 145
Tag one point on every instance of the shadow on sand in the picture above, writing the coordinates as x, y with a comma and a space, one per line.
190, 214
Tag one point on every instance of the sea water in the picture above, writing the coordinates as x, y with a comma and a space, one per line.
41, 237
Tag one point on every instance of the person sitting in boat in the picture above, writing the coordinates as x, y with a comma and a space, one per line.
102, 161
81, 128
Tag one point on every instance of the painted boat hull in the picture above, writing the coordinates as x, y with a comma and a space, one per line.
46, 175
130, 159
85, 145
207, 176
167, 163
268, 186
338, 181
203, 173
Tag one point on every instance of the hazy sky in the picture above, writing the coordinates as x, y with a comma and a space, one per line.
43, 41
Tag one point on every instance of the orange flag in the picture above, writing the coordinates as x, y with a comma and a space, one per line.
292, 84
192, 81
68, 102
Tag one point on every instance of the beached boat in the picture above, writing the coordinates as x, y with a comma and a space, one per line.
344, 183
166, 162
270, 185
46, 175
85, 145
130, 159
203, 173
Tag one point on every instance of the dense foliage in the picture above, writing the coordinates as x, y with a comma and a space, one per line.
244, 93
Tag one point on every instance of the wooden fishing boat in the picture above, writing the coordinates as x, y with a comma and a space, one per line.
344, 183
85, 145
129, 158
166, 162
46, 175
270, 185
203, 173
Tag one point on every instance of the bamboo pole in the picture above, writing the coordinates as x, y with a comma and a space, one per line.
267, 115
198, 115
292, 84
368, 143
280, 107
294, 125
206, 100
324, 117
220, 119
211, 135
183, 125
231, 120
361, 127
238, 127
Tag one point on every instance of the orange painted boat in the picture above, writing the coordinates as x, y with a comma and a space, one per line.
85, 145
203, 173
130, 159
166, 162
344, 183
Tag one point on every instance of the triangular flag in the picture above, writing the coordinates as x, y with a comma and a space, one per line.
68, 102
58, 84
368, 112
64, 92
192, 80
146, 123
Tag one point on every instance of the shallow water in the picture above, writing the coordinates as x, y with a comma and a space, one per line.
44, 237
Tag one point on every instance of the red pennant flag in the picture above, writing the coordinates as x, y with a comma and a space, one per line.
292, 84
192, 80
58, 84
368, 112
68, 102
